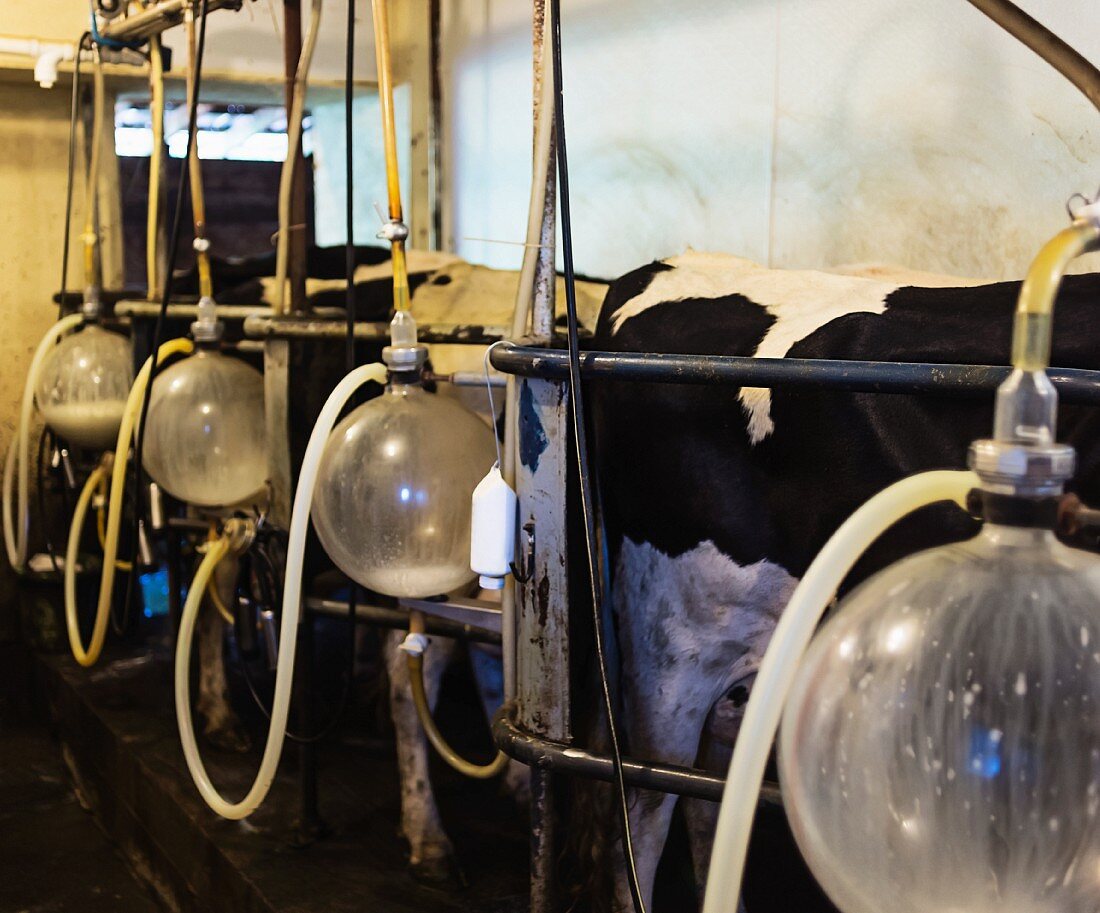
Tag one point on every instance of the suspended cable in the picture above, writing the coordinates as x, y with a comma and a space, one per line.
585, 473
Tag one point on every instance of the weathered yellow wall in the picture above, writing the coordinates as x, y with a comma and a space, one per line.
46, 20
34, 131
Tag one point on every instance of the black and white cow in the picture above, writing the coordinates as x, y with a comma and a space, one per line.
718, 499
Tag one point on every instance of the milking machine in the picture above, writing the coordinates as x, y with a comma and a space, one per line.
939, 745
80, 372
389, 491
198, 424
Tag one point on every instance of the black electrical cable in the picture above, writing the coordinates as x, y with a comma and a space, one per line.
266, 579
162, 313
585, 474
349, 186
74, 110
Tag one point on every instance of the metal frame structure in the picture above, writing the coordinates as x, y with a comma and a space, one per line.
536, 728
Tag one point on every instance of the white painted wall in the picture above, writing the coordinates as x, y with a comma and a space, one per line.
799, 133
329, 150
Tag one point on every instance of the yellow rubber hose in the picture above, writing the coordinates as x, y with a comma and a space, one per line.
212, 588
1033, 329
101, 524
389, 138
114, 511
72, 622
198, 199
424, 712
156, 159
91, 237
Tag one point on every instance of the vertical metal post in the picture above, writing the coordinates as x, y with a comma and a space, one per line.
276, 412
542, 612
310, 824
543, 896
292, 50
542, 323
542, 604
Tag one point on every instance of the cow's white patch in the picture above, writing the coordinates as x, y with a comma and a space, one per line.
689, 627
801, 301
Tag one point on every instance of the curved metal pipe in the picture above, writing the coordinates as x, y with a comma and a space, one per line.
1046, 44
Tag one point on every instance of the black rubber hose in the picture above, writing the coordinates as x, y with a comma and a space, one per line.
1046, 44
586, 474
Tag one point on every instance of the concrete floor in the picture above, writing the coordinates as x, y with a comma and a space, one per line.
53, 856
117, 723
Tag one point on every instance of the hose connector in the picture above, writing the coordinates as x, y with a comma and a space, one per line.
393, 230
91, 308
414, 644
1022, 470
207, 329
240, 533
404, 354
1023, 457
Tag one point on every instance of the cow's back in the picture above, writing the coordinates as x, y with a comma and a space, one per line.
770, 474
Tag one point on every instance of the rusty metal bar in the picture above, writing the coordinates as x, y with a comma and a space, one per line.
397, 619
550, 755
473, 613
1074, 385
266, 327
151, 309
1038, 38
156, 19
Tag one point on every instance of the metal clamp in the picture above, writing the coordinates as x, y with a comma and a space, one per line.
525, 574
393, 230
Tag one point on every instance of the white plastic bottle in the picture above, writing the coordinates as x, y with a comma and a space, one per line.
493, 530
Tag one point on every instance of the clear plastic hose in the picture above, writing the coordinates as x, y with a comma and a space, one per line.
389, 140
15, 537
114, 516
294, 141
288, 627
780, 664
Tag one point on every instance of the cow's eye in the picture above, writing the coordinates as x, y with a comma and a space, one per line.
739, 696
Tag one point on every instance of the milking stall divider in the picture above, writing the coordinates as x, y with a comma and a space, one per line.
535, 726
